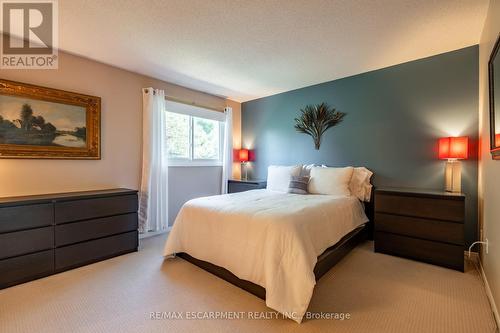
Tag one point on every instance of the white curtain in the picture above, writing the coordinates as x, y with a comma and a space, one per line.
227, 158
153, 196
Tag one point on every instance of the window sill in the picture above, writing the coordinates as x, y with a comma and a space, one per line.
193, 164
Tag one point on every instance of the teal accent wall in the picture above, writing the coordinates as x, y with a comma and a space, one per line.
394, 118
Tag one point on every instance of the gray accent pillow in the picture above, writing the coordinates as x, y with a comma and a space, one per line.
298, 184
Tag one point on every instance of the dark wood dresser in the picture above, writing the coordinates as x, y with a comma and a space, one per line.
45, 234
421, 225
236, 185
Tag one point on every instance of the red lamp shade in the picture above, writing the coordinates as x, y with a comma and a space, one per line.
497, 140
454, 148
243, 155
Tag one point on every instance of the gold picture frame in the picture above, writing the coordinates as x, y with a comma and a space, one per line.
44, 123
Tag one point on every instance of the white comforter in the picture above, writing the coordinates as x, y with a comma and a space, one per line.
269, 238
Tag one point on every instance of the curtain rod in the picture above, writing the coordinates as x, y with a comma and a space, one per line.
177, 100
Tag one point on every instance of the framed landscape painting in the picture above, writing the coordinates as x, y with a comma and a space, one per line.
38, 122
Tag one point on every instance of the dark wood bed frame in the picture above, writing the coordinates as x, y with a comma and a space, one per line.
326, 260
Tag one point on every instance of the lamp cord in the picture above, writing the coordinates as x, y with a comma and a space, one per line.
479, 242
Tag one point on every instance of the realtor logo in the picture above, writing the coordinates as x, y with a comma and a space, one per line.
29, 34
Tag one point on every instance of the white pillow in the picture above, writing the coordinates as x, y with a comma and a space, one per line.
333, 181
278, 177
360, 183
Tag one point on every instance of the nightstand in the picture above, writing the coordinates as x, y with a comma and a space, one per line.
236, 185
422, 225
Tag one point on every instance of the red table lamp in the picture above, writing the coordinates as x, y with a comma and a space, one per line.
243, 156
453, 149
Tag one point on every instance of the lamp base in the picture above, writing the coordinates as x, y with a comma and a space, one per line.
244, 166
453, 176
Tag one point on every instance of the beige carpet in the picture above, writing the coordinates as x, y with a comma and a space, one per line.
381, 293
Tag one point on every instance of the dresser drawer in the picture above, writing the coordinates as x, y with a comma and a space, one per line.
80, 254
433, 208
448, 232
24, 268
26, 217
237, 186
68, 211
22, 242
447, 255
240, 187
96, 228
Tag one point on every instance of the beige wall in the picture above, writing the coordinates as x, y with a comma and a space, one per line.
121, 95
489, 170
236, 134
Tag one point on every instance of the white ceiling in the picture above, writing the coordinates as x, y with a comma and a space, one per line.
254, 48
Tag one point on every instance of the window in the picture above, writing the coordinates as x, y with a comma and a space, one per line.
178, 136
206, 139
193, 141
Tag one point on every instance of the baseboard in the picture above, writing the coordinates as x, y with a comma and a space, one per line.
475, 258
153, 233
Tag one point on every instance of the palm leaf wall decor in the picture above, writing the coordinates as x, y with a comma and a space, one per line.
316, 120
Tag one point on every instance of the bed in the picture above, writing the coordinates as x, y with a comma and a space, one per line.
273, 245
